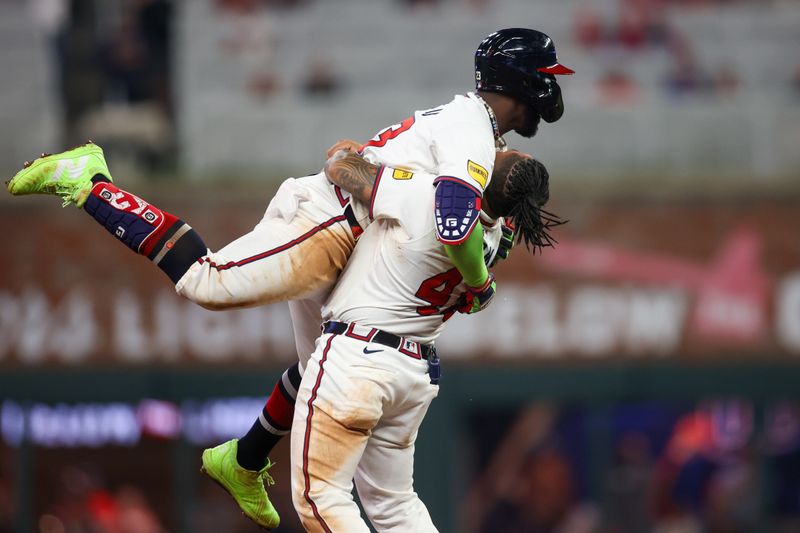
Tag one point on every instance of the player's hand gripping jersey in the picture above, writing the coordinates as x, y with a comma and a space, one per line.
455, 144
399, 278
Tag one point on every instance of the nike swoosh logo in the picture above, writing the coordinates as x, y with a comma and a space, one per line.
371, 351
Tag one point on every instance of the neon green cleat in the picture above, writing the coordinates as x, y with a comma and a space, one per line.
246, 486
67, 174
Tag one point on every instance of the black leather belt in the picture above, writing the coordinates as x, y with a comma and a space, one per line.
401, 344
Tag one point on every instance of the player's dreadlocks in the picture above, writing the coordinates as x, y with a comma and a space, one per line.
521, 196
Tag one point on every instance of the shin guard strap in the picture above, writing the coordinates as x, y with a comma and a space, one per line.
180, 252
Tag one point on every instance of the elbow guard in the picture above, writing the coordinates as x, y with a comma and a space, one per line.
457, 208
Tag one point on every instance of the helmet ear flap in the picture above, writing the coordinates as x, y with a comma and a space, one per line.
548, 101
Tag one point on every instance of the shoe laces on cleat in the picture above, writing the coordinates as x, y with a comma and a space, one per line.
266, 475
68, 194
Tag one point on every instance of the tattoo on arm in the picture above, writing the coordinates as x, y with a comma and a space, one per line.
352, 173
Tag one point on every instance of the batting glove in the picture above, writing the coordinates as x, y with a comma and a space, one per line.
505, 244
477, 299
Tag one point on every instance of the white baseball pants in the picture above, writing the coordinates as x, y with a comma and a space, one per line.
357, 416
296, 252
298, 248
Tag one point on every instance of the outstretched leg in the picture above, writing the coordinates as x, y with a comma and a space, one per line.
81, 176
299, 247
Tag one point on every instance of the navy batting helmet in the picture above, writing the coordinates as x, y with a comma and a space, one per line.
522, 63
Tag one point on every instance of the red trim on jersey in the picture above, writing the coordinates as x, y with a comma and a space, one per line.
378, 176
342, 200
307, 438
273, 251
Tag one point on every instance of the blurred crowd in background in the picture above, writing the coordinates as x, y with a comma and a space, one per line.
671, 469
113, 72
120, 64
119, 51
716, 466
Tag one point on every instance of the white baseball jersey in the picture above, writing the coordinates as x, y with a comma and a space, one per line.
303, 241
360, 404
455, 139
399, 278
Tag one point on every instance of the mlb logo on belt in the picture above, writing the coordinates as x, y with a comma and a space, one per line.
411, 348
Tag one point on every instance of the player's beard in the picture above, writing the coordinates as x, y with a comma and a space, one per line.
531, 124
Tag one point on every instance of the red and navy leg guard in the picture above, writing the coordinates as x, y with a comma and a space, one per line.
130, 219
457, 208
145, 229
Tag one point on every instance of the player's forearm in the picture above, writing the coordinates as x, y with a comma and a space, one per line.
352, 173
467, 257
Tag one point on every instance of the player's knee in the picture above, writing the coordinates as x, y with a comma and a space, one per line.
207, 302
383, 508
213, 297
392, 510
303, 509
213, 305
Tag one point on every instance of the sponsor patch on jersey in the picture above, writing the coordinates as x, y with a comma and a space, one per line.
400, 174
478, 173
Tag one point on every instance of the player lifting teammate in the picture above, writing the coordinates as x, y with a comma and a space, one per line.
374, 373
313, 222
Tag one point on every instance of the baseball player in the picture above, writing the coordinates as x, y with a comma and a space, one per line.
374, 372
309, 222
295, 252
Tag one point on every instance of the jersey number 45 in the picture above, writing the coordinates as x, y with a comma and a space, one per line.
437, 291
